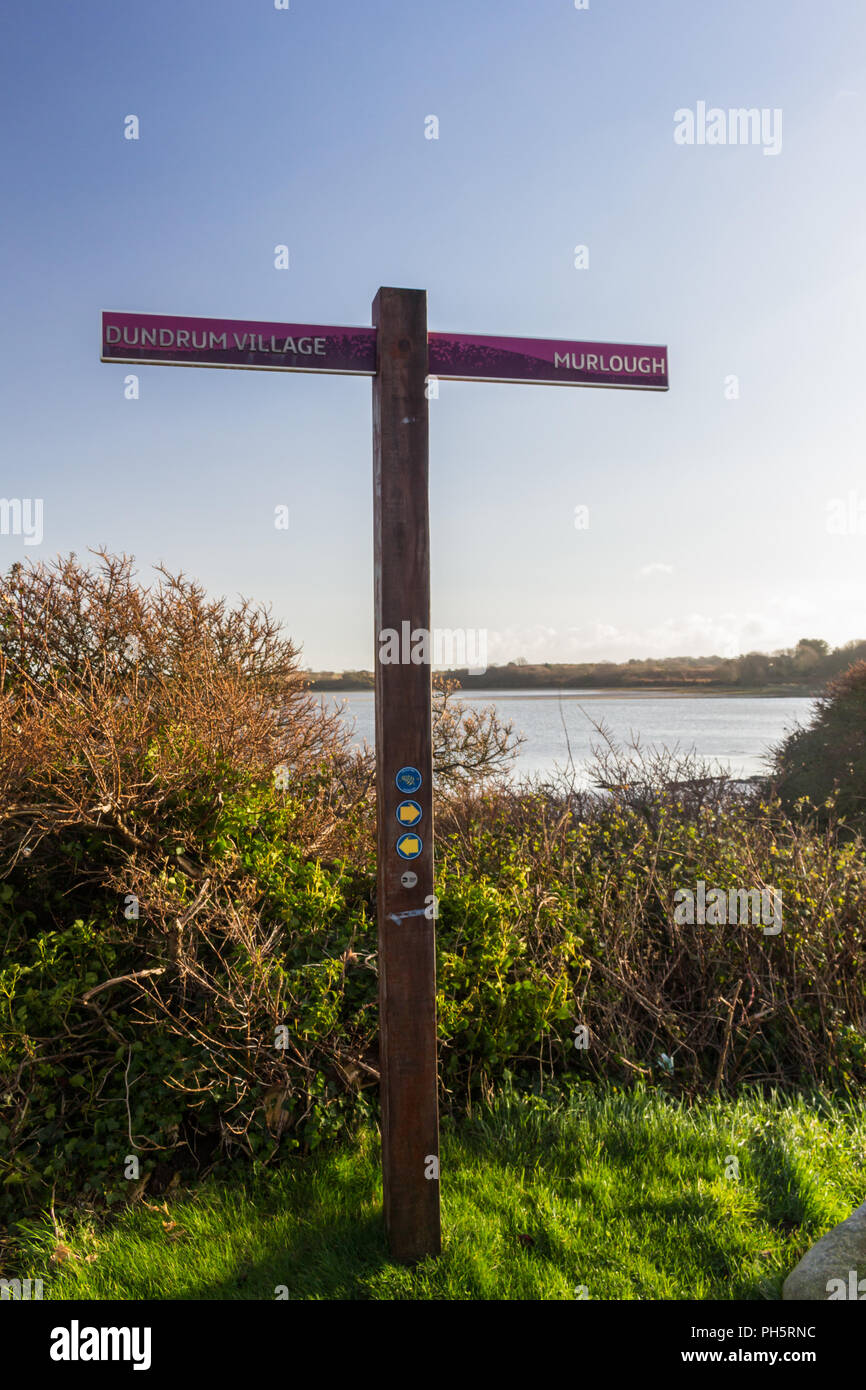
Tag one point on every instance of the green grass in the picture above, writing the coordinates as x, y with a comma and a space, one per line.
625, 1194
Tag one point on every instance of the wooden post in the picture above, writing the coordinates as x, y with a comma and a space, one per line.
404, 794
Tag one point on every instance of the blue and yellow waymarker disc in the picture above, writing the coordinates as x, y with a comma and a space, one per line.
408, 779
409, 813
409, 846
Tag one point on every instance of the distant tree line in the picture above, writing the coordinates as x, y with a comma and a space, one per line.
807, 666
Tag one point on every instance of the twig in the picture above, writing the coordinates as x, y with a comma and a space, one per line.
120, 979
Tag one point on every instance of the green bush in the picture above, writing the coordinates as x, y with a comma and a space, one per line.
822, 768
544, 924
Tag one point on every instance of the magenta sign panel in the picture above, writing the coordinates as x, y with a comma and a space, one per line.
282, 347
304, 347
467, 357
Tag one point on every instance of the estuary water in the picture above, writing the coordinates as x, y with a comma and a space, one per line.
734, 732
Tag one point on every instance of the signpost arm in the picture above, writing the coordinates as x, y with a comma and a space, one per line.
407, 964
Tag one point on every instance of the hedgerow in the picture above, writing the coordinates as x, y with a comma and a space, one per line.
187, 907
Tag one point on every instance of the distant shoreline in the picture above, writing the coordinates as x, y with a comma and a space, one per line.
626, 693
802, 671
537, 692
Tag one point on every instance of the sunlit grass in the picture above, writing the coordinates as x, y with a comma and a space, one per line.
624, 1196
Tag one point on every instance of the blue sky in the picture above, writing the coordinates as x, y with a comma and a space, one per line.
707, 515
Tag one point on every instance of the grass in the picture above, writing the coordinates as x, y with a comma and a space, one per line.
623, 1194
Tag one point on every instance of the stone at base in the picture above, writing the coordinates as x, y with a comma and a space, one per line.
835, 1256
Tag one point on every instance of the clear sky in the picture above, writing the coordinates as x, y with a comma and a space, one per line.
707, 514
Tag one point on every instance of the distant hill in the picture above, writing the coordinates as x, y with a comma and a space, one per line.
805, 667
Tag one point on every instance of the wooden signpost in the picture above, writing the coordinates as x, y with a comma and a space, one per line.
401, 356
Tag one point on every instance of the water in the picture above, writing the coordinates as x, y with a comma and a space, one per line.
733, 731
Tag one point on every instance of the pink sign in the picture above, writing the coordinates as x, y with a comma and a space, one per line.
282, 347
304, 347
468, 357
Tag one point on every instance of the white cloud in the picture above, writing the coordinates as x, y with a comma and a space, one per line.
657, 567
726, 634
